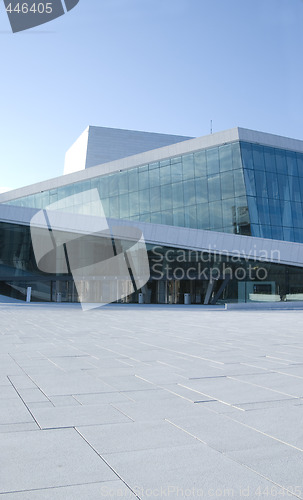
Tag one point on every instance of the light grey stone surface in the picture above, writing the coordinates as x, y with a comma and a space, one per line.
150, 401
89, 491
44, 459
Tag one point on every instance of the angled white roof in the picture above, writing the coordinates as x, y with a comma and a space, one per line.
97, 145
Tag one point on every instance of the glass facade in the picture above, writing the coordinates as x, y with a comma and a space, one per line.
238, 187
201, 190
174, 273
274, 186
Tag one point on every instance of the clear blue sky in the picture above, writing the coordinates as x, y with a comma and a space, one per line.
165, 66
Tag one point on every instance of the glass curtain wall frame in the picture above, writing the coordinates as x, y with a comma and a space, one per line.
203, 190
274, 186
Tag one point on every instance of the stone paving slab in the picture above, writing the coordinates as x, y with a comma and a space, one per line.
152, 402
134, 436
193, 468
89, 491
44, 459
71, 416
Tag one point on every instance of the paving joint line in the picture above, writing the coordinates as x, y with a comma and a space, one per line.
24, 403
233, 459
108, 465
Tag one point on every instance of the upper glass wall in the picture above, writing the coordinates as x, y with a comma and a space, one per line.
202, 190
274, 183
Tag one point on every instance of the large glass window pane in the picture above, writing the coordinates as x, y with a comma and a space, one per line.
265, 231
41, 200
225, 158
227, 185
239, 183
134, 203
236, 155
280, 161
95, 183
189, 192
45, 199
201, 190
124, 206
228, 229
291, 162
167, 217
188, 166
133, 179
176, 172
270, 159
156, 218
145, 217
144, 201
215, 215
299, 157
79, 187
241, 212
246, 154
53, 195
200, 164
166, 197
190, 216
288, 233
105, 205
165, 175
249, 176
287, 220
297, 214
263, 210
177, 193
277, 233
155, 199
178, 217
298, 235
212, 159
258, 157
255, 230
143, 179
114, 207
294, 188
283, 187
214, 189
275, 212
253, 210
154, 177
104, 187
113, 185
203, 216
228, 212
123, 182
261, 185
272, 185
62, 192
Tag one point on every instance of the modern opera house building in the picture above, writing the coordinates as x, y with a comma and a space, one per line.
221, 219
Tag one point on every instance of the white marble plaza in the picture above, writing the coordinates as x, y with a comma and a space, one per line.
150, 402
